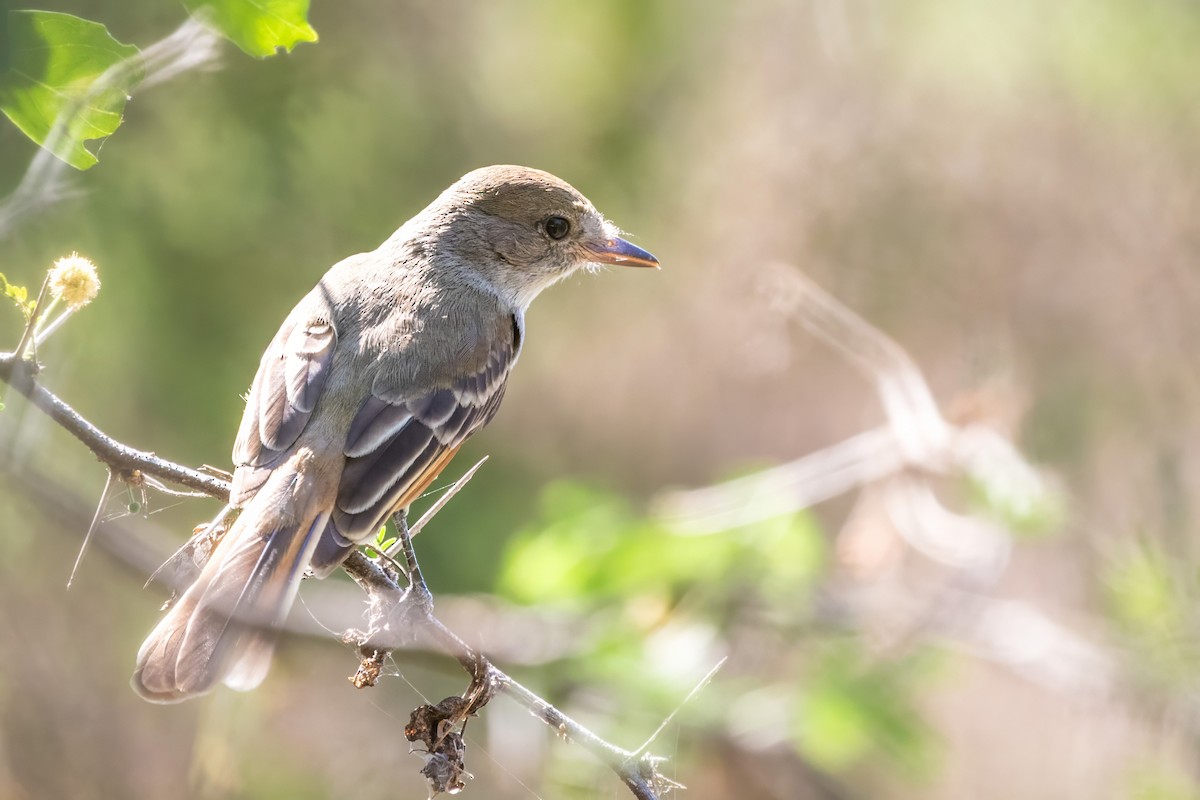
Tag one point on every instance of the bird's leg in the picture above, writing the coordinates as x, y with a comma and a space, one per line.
418, 590
406, 612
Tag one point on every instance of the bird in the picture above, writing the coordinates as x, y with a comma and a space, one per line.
371, 385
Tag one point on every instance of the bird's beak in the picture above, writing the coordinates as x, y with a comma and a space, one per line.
621, 253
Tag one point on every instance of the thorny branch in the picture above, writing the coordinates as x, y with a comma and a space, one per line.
396, 612
412, 608
125, 461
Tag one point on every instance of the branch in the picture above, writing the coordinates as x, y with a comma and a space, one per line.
123, 460
411, 607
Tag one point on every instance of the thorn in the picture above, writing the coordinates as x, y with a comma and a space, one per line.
705, 681
108, 485
454, 489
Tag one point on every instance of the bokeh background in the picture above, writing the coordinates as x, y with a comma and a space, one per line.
1011, 191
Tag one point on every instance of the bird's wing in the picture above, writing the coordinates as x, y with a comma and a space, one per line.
290, 379
399, 442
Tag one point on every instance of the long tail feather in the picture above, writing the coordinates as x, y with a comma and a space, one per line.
224, 626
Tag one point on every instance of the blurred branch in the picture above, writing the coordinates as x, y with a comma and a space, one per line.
1021, 637
916, 443
895, 464
410, 608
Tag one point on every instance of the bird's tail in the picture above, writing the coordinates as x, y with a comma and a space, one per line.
224, 626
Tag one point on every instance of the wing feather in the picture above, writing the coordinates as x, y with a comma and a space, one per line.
367, 478
376, 423
399, 442
290, 380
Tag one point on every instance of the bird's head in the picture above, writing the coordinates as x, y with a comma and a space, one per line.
523, 229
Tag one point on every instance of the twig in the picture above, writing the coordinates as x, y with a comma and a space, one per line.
638, 771
87, 537
705, 681
31, 325
121, 458
446, 497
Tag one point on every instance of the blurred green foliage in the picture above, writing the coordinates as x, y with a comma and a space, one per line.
852, 706
1156, 781
588, 545
1005, 186
1020, 506
1153, 599
1119, 57
589, 549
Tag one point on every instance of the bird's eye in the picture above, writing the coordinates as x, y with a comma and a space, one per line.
557, 227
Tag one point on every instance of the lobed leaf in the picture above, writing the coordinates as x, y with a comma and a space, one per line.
67, 81
259, 27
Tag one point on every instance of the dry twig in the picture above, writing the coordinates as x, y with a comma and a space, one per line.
122, 459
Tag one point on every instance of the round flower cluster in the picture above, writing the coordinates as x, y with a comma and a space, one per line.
73, 280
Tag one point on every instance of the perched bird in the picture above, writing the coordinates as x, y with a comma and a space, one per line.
369, 388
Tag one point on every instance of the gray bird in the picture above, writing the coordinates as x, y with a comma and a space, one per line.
369, 388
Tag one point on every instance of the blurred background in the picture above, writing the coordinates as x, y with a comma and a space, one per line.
1009, 191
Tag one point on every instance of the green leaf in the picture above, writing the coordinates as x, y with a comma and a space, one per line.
19, 295
55, 66
258, 27
382, 542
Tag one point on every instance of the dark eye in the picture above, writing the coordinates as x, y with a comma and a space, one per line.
557, 227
